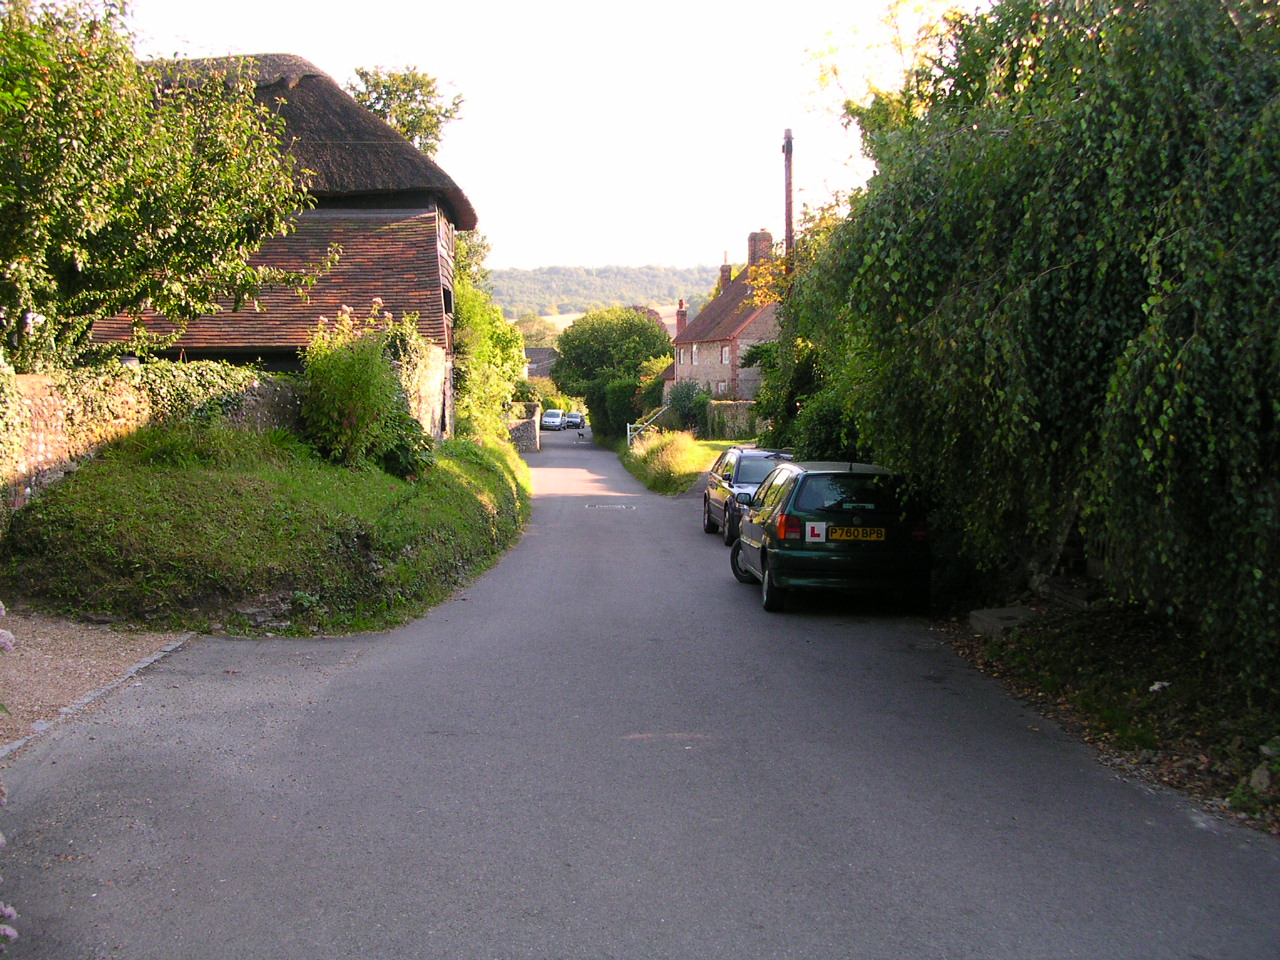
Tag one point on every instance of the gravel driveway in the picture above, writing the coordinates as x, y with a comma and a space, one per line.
58, 666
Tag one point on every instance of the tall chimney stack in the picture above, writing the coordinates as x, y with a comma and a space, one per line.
759, 247
682, 318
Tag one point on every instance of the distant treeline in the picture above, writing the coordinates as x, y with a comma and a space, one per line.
548, 291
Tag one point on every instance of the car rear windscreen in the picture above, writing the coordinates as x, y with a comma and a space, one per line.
754, 469
848, 492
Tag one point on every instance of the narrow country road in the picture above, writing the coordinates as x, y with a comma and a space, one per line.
604, 748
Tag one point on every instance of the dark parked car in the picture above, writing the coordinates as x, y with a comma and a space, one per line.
833, 526
574, 420
737, 470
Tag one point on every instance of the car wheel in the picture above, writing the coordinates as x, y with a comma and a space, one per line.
729, 529
740, 573
708, 525
772, 596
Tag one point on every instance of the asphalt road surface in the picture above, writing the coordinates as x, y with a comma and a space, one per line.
604, 748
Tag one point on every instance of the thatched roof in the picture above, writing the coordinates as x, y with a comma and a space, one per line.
352, 152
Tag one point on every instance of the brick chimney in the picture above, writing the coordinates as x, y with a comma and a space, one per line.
726, 272
682, 318
759, 247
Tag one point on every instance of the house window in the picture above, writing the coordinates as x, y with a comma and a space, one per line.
722, 387
448, 299
680, 357
695, 354
724, 353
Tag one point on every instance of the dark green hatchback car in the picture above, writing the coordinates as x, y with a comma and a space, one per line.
832, 526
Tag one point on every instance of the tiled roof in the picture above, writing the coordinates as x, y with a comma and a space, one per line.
385, 253
727, 315
540, 360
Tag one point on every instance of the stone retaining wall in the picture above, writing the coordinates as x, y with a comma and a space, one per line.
523, 426
731, 419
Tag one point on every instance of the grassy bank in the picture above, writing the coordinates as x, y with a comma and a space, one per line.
182, 526
670, 462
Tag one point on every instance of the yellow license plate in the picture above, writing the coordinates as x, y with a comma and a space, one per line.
855, 533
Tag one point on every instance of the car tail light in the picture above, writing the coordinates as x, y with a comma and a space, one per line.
790, 528
920, 533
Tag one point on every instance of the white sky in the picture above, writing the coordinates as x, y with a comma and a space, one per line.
591, 134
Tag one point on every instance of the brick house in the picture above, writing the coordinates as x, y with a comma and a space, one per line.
390, 208
709, 350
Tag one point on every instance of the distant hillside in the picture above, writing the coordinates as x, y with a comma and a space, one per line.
549, 291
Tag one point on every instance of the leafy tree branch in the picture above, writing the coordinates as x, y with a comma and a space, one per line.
125, 186
410, 101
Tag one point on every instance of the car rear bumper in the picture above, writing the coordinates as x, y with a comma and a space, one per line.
810, 569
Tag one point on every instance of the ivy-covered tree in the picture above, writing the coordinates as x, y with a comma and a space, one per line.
123, 186
408, 100
1057, 302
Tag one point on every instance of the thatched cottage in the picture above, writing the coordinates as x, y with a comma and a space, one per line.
392, 210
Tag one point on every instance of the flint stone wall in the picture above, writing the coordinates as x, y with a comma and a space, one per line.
50, 433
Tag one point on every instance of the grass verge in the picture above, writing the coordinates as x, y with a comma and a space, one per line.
670, 462
1124, 682
188, 527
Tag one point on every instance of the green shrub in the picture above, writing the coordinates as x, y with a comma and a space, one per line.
689, 401
354, 405
488, 354
409, 450
652, 386
597, 400
620, 401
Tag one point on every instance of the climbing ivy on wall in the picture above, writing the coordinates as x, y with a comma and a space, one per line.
95, 396
12, 423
